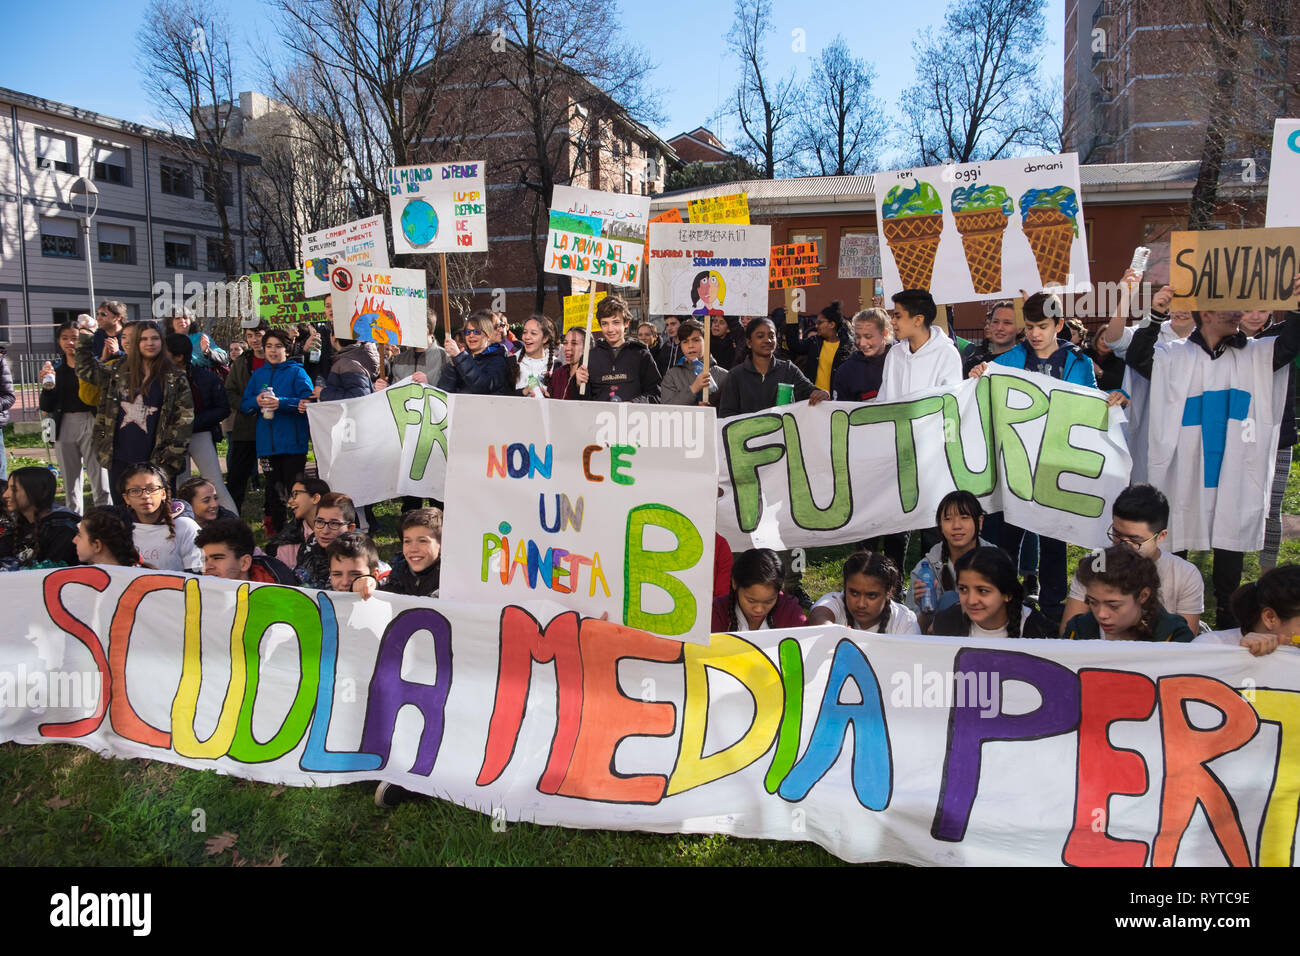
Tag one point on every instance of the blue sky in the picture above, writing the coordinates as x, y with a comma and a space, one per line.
83, 53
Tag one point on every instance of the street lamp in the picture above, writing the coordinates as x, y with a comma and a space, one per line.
89, 202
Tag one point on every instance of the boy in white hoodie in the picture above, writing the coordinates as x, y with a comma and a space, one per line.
924, 357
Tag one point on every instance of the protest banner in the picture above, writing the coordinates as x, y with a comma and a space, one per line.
859, 257
280, 298
954, 229
604, 508
1049, 454
388, 306
1283, 204
669, 215
794, 264
708, 270
439, 207
359, 243
531, 713
384, 445
576, 308
1234, 268
729, 210
597, 235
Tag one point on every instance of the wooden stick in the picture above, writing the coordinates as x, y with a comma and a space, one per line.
586, 346
708, 337
446, 304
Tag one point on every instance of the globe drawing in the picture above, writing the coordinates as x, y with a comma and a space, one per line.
419, 222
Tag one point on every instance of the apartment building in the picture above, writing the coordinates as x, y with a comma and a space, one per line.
153, 221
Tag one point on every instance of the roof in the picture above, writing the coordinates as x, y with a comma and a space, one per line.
39, 105
1112, 182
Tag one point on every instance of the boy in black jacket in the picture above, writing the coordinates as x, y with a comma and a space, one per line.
619, 369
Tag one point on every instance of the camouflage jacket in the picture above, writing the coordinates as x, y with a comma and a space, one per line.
175, 420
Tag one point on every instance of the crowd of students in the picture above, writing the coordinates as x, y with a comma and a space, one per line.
135, 403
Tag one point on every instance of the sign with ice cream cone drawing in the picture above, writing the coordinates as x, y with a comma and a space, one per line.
974, 231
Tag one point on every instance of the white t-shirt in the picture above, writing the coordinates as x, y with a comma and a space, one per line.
169, 554
1231, 636
977, 631
533, 368
1182, 589
1120, 345
901, 618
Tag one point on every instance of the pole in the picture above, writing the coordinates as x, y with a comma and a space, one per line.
90, 275
586, 346
708, 336
446, 304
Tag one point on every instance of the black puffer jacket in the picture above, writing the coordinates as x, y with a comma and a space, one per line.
629, 372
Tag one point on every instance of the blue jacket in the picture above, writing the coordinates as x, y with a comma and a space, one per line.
482, 374
286, 433
858, 379
1077, 367
211, 404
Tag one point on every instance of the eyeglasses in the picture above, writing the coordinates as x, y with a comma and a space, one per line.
1134, 543
322, 524
473, 330
142, 492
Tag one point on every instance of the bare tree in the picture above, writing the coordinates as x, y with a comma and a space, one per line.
765, 108
187, 69
975, 81
844, 123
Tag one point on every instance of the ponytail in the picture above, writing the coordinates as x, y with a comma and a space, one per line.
1278, 588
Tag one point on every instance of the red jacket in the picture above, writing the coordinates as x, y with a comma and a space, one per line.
786, 613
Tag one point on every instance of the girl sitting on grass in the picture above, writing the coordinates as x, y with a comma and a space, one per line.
103, 538
755, 601
1123, 598
1268, 611
865, 604
990, 601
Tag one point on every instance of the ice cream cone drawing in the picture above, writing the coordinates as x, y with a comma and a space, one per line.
912, 218
1050, 221
982, 214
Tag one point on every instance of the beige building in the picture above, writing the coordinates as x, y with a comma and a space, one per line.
153, 222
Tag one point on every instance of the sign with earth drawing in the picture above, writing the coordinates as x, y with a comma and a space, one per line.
439, 207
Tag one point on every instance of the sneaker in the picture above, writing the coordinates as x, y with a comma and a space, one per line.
389, 795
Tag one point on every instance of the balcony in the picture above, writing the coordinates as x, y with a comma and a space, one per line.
1105, 11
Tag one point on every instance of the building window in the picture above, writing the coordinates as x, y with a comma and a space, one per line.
175, 178
116, 244
59, 238
55, 151
209, 193
178, 251
213, 249
4, 320
66, 315
112, 165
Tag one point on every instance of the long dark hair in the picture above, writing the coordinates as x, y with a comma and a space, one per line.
994, 566
39, 485
756, 566
1278, 589
966, 504
105, 526
141, 371
552, 344
834, 314
1128, 572
149, 468
872, 564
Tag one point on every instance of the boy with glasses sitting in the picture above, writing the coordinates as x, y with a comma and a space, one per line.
335, 515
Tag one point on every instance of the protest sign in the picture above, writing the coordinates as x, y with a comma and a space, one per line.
1283, 207
985, 230
859, 257
576, 308
359, 243
1234, 268
280, 298
794, 264
604, 508
596, 235
380, 305
669, 215
439, 207
538, 715
708, 270
732, 209
383, 445
1049, 454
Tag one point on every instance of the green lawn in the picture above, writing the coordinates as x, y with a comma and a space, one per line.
67, 806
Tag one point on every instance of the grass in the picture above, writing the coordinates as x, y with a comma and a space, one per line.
67, 806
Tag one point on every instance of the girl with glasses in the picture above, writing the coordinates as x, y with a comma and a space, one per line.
163, 535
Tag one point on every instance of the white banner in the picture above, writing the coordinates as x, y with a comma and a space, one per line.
1283, 207
608, 507
359, 243
708, 270
960, 752
985, 230
1048, 453
597, 235
439, 207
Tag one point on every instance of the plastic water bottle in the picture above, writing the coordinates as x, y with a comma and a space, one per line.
47, 380
697, 366
268, 412
927, 601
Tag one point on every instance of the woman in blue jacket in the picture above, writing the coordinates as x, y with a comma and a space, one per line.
482, 367
279, 391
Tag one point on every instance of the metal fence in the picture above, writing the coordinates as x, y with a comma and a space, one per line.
26, 369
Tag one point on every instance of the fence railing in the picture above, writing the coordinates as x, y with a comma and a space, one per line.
26, 370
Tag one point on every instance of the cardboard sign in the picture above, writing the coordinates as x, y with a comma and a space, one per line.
359, 243
387, 306
575, 310
1234, 268
708, 270
794, 264
605, 508
732, 209
975, 231
671, 215
597, 235
439, 207
859, 257
1283, 175
281, 299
